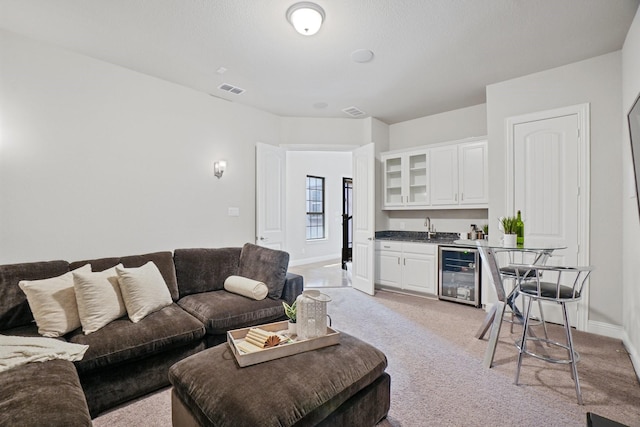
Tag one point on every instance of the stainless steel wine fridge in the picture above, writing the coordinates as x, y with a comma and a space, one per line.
459, 275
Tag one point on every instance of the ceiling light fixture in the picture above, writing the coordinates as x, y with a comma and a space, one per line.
306, 17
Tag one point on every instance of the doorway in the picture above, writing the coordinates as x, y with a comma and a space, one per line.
347, 221
548, 170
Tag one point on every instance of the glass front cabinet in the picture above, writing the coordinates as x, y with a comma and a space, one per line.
406, 179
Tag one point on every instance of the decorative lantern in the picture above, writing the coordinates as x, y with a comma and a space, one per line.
311, 314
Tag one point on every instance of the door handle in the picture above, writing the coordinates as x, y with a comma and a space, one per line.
263, 238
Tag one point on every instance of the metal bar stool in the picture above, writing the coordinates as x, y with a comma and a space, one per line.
518, 269
566, 288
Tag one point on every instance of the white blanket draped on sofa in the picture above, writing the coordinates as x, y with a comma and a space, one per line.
16, 351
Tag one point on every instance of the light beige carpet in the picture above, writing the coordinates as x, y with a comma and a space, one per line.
437, 378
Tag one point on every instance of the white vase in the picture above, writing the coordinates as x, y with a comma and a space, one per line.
292, 329
509, 241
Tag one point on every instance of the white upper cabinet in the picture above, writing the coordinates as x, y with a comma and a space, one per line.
450, 175
406, 179
473, 173
444, 175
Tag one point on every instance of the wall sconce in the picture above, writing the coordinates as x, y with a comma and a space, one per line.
219, 168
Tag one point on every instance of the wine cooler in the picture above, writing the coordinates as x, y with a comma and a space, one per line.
459, 275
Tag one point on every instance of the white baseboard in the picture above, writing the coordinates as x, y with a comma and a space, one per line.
304, 261
605, 329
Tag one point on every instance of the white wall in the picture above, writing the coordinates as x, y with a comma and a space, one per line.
322, 131
449, 126
443, 220
630, 223
97, 160
596, 81
333, 166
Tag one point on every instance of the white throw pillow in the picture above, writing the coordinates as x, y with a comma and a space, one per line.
143, 290
53, 303
99, 298
246, 287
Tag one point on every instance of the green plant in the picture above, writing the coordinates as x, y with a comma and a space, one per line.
290, 311
485, 229
509, 224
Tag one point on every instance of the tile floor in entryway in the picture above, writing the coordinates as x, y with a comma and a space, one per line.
326, 274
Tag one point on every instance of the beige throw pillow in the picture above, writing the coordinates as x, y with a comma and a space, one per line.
246, 287
143, 290
99, 298
53, 303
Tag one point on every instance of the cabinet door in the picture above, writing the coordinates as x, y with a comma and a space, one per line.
418, 273
474, 177
388, 268
393, 180
417, 183
444, 175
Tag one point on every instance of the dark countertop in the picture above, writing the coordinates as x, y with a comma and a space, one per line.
440, 238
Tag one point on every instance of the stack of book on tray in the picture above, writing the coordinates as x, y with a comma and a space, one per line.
258, 339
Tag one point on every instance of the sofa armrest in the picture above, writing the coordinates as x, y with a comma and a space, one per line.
293, 285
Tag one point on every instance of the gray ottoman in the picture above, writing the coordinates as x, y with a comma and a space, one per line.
340, 385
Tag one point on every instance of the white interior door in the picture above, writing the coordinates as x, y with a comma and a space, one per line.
546, 188
362, 275
270, 196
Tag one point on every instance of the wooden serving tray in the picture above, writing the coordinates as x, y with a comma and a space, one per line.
282, 350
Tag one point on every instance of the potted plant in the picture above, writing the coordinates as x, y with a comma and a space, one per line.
485, 231
290, 312
509, 226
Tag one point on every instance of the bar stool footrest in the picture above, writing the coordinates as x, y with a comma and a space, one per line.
576, 355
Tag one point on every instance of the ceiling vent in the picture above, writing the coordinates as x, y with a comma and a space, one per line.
354, 111
231, 89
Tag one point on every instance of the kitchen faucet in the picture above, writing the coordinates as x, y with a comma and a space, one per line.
430, 230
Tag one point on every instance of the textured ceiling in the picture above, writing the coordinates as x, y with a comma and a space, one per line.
430, 56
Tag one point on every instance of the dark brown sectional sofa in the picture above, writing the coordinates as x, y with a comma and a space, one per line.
124, 359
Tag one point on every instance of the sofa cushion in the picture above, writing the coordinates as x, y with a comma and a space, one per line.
14, 309
143, 290
204, 270
47, 393
99, 298
124, 341
221, 311
246, 287
53, 303
265, 265
163, 260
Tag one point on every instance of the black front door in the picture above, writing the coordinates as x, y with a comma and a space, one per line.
347, 221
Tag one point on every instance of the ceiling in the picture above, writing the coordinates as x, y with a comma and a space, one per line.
430, 56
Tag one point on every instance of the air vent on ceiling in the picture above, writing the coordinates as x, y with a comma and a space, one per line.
230, 88
354, 111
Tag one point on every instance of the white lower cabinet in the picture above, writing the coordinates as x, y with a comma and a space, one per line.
407, 265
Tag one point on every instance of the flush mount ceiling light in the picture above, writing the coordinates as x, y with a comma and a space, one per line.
306, 17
